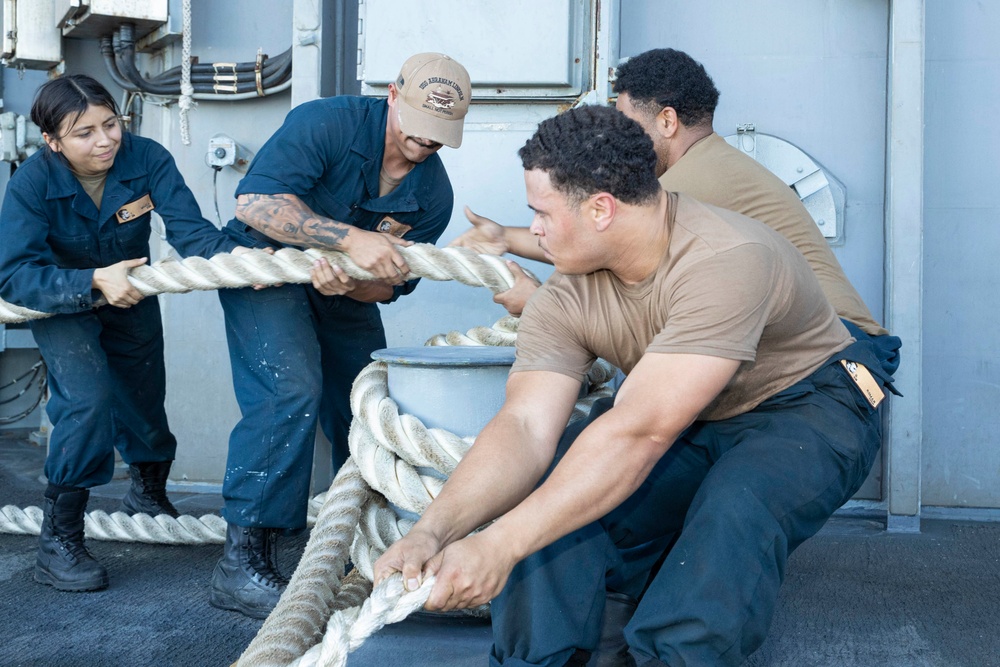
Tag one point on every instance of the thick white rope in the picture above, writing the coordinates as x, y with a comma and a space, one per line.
349, 628
298, 622
289, 265
503, 333
406, 464
186, 100
120, 527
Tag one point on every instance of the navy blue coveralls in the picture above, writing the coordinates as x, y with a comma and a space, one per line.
294, 352
105, 365
738, 494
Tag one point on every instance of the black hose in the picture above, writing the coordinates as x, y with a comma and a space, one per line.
274, 72
241, 77
125, 57
108, 53
270, 64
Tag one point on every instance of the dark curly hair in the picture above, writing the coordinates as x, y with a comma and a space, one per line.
594, 149
669, 78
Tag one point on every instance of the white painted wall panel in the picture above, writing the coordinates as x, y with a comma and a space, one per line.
520, 47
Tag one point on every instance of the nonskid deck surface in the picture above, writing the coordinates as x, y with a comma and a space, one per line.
854, 596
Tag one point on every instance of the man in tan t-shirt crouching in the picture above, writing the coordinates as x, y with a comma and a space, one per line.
674, 99
747, 417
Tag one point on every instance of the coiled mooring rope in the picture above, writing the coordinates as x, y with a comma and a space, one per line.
393, 454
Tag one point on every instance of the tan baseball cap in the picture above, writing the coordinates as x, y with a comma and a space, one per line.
434, 93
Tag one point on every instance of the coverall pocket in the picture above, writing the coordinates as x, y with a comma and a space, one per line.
133, 237
326, 204
74, 252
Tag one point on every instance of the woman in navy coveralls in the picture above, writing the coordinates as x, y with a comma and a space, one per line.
75, 219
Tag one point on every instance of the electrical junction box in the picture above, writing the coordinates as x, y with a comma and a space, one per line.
223, 151
88, 19
30, 37
514, 49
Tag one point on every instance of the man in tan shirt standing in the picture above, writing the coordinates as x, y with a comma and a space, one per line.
674, 99
748, 415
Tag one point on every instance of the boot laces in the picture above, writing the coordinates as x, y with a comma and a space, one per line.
73, 545
264, 574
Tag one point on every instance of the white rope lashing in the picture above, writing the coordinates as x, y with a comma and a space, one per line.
186, 101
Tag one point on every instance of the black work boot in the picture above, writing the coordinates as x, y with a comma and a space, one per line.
244, 579
612, 651
271, 554
148, 494
63, 561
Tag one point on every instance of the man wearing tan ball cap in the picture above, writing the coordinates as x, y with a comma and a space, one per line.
355, 174
434, 93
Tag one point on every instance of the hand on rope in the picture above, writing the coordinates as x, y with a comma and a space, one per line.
413, 558
112, 282
347, 629
468, 573
378, 254
514, 299
331, 280
289, 265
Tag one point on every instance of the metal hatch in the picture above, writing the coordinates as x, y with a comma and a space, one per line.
823, 195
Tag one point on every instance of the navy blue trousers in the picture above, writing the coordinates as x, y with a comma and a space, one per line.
294, 355
739, 494
107, 384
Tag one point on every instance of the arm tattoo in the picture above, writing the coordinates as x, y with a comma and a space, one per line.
287, 219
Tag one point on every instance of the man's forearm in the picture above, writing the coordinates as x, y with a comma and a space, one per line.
521, 242
497, 473
605, 466
286, 218
612, 457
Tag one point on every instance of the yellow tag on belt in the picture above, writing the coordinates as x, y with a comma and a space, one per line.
134, 209
392, 226
863, 378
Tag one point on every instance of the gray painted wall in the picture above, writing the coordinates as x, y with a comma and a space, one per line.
961, 461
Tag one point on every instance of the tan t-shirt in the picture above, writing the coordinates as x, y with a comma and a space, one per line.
727, 287
716, 173
93, 186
